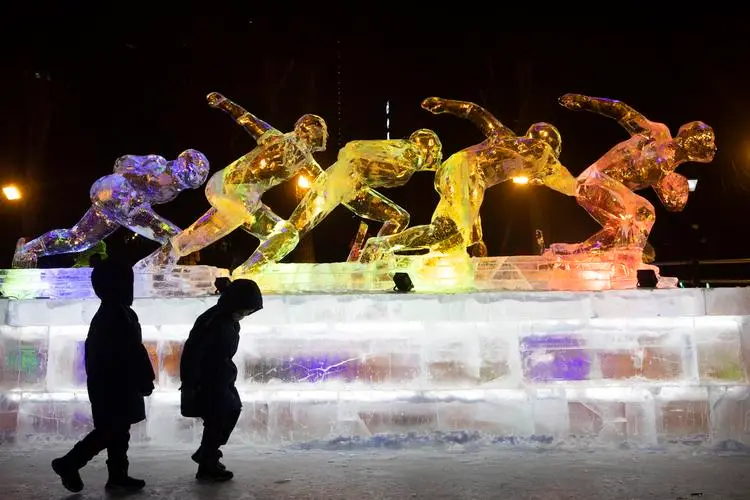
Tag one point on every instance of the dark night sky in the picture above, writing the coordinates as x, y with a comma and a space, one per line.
80, 93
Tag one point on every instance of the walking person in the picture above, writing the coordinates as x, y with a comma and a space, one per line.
208, 374
118, 376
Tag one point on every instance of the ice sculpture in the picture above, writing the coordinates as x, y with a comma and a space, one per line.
235, 192
361, 167
648, 158
123, 198
464, 177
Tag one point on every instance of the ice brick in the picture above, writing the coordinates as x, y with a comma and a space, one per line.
253, 423
613, 414
556, 357
44, 418
718, 344
23, 357
683, 413
550, 408
8, 417
166, 425
168, 364
730, 414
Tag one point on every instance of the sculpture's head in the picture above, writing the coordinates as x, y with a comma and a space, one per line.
547, 133
190, 169
313, 130
697, 141
430, 148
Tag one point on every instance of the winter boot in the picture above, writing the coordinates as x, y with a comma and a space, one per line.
198, 456
119, 479
208, 468
213, 473
68, 472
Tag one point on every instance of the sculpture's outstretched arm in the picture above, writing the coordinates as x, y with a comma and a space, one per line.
487, 123
251, 123
628, 118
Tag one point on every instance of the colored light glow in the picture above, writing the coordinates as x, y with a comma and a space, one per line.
11, 192
303, 182
520, 180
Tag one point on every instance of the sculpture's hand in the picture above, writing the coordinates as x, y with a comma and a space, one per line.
478, 249
434, 105
215, 99
572, 101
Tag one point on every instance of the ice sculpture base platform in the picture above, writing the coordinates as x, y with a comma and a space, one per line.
616, 270
638, 366
75, 283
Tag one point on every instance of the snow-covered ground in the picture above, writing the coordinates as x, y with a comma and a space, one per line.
345, 471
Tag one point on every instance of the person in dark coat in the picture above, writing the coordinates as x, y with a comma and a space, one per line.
208, 373
119, 375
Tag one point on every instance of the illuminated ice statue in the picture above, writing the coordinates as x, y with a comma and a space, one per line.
464, 177
235, 192
124, 198
648, 158
361, 167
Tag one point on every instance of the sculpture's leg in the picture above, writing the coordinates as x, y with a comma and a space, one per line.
211, 227
228, 212
322, 197
477, 247
442, 235
626, 217
147, 223
277, 237
369, 204
93, 227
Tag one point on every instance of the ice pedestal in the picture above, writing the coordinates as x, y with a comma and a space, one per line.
75, 283
615, 270
638, 366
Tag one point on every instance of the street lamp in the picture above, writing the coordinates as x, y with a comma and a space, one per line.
521, 180
11, 192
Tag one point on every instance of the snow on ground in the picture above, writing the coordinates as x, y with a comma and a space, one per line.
431, 472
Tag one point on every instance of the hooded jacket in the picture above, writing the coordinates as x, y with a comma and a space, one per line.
207, 371
118, 369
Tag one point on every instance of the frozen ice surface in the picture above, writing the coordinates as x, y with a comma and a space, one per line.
449, 470
634, 366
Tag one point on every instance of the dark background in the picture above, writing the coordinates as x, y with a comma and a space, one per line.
81, 88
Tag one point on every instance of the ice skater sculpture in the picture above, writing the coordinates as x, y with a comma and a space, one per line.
123, 198
361, 167
235, 192
464, 177
648, 158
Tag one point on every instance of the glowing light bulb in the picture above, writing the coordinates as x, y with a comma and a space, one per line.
303, 182
11, 192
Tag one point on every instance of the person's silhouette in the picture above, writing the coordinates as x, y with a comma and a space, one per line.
208, 374
119, 375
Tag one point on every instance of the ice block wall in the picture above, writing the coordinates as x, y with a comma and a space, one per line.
642, 366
